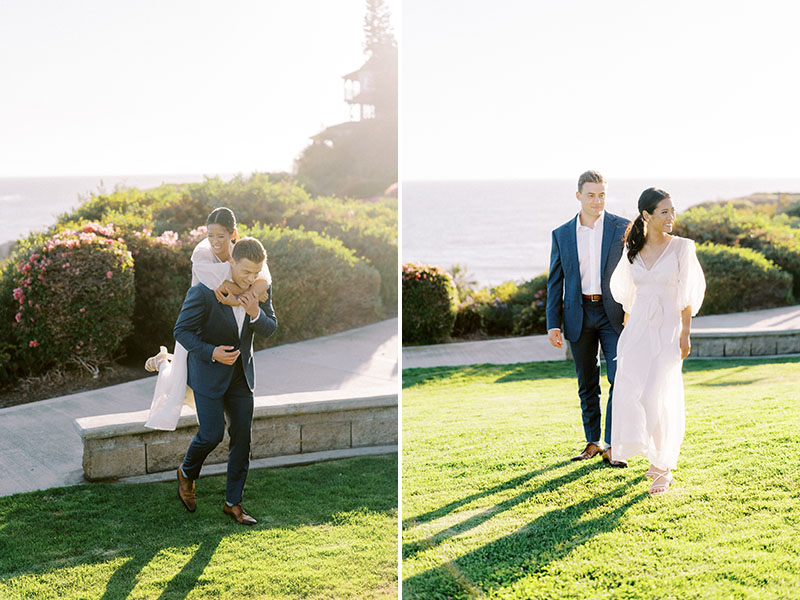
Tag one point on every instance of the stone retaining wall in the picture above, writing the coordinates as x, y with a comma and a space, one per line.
709, 344
119, 445
756, 343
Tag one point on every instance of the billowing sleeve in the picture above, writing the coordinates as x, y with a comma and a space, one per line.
265, 274
691, 281
622, 287
205, 269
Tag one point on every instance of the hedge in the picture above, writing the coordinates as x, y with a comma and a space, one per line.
740, 279
775, 237
367, 228
319, 286
429, 303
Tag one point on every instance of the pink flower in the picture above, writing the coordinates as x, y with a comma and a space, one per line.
111, 295
17, 293
109, 274
83, 309
18, 317
33, 344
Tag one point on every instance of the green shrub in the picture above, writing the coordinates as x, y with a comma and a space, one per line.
255, 199
162, 275
75, 298
774, 237
429, 303
739, 279
320, 287
469, 319
368, 228
533, 318
131, 202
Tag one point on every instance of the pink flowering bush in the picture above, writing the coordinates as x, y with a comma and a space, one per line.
429, 301
72, 298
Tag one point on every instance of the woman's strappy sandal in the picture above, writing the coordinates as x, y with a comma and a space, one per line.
660, 480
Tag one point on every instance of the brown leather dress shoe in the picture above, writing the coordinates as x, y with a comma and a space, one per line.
590, 451
239, 514
186, 491
619, 464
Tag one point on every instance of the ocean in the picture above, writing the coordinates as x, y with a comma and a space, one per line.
35, 203
500, 230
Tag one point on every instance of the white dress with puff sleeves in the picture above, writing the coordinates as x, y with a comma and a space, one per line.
648, 415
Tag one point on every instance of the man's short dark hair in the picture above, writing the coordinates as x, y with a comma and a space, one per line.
589, 177
249, 248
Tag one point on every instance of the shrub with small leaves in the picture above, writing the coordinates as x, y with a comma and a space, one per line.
163, 273
739, 279
319, 286
74, 297
429, 304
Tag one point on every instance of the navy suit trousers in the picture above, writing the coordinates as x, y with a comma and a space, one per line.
237, 403
596, 330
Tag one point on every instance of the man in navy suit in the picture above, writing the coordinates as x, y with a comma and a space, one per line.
219, 339
583, 255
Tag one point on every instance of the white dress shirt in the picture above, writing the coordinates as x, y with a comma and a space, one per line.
590, 245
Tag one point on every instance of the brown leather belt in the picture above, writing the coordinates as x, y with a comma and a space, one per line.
592, 297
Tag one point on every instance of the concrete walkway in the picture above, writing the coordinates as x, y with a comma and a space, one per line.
40, 449
537, 347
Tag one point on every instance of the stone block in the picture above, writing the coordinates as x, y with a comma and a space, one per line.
114, 457
317, 437
388, 413
270, 439
739, 346
787, 344
374, 433
164, 453
763, 345
702, 346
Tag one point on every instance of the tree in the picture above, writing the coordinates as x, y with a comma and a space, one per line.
378, 34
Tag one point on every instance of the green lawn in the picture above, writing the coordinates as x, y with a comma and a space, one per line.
493, 508
327, 530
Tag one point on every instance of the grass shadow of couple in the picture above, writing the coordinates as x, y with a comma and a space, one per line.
527, 550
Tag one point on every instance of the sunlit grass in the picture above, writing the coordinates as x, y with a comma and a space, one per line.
325, 531
493, 508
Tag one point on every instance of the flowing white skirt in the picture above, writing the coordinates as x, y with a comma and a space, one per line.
171, 392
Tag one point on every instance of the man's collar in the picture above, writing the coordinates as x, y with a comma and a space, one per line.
601, 217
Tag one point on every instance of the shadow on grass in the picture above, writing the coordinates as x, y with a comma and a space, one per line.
93, 524
511, 483
527, 551
560, 369
413, 548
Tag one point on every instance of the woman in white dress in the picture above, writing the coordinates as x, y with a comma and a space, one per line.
660, 284
211, 266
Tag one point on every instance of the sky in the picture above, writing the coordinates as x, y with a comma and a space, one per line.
519, 89
176, 86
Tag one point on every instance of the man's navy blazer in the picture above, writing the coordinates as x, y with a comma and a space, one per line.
564, 300
203, 324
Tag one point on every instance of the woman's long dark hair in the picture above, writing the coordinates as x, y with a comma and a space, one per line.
222, 216
634, 237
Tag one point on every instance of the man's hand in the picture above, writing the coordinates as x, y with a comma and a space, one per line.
250, 303
554, 335
225, 294
225, 355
